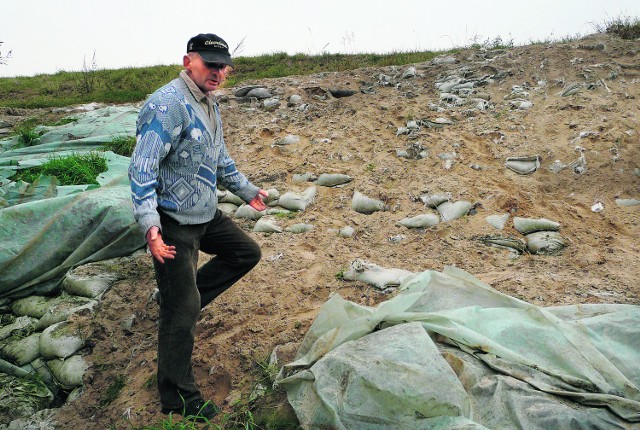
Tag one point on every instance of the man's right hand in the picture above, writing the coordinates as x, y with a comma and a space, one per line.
157, 247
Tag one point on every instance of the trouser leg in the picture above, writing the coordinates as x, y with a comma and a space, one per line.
235, 255
179, 310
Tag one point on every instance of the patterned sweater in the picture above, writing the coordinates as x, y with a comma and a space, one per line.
178, 159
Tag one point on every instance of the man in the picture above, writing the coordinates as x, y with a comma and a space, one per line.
179, 157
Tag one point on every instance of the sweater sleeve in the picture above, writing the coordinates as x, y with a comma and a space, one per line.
156, 128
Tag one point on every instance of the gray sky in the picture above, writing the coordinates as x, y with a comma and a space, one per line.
47, 36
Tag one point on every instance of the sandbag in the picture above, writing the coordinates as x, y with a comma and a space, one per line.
332, 179
297, 202
228, 197
229, 209
372, 274
497, 221
33, 306
63, 309
60, 340
451, 211
247, 212
299, 228
87, 285
21, 350
365, 205
68, 372
23, 324
267, 225
531, 225
420, 221
545, 242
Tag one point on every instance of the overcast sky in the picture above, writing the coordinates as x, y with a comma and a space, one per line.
47, 36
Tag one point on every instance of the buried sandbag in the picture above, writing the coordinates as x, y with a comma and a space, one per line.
60, 340
497, 221
21, 325
531, 225
21, 350
229, 209
304, 177
515, 245
267, 225
43, 373
372, 274
523, 165
272, 195
299, 228
627, 202
420, 221
228, 197
63, 309
346, 231
12, 369
545, 242
297, 202
68, 372
88, 282
33, 306
332, 179
435, 200
247, 212
365, 205
22, 397
450, 211
289, 139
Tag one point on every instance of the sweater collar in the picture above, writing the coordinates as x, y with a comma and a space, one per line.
195, 91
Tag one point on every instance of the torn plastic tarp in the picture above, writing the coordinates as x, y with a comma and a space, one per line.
520, 366
46, 230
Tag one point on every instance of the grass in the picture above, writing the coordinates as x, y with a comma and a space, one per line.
121, 145
77, 169
114, 390
130, 85
248, 413
624, 27
27, 134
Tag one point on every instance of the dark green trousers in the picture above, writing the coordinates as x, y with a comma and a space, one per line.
185, 290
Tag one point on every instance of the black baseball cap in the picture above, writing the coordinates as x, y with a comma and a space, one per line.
212, 49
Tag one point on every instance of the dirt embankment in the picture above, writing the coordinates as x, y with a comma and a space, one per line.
358, 136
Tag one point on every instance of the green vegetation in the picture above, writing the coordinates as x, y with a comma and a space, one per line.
27, 134
77, 169
259, 410
114, 390
624, 27
121, 145
134, 84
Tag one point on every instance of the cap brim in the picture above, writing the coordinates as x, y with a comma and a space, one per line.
216, 57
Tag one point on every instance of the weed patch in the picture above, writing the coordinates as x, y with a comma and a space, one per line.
78, 169
121, 145
114, 390
624, 27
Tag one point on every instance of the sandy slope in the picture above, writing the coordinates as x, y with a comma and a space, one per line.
356, 135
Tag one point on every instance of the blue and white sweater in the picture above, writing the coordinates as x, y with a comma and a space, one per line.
178, 159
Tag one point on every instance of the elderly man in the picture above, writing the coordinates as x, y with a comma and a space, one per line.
179, 158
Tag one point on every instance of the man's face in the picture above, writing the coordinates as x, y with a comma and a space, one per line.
207, 76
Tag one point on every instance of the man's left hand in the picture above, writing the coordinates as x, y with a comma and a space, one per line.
258, 202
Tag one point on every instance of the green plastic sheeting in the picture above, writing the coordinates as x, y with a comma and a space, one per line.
45, 229
450, 352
